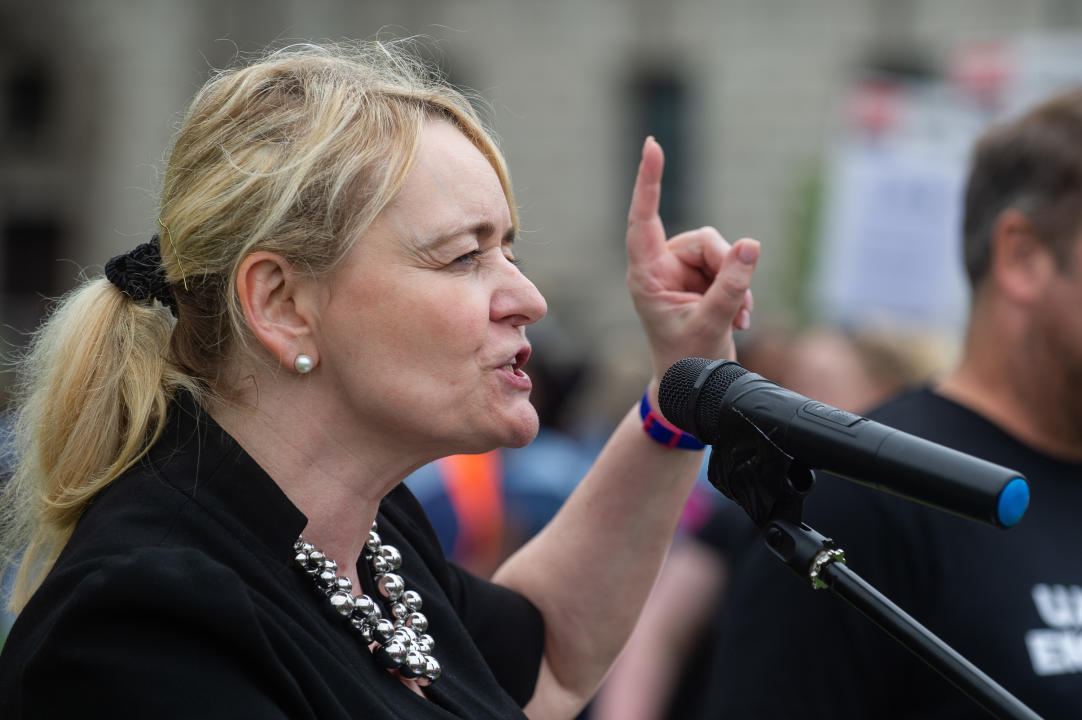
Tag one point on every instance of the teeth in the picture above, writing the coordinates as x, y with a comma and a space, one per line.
509, 367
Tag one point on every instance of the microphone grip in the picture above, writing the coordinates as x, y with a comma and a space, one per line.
876, 455
977, 489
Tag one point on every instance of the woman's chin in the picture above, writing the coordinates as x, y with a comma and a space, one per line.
522, 430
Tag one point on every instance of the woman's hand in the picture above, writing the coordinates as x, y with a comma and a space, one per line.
689, 291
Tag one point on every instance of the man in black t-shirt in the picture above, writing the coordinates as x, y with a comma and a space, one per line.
1009, 601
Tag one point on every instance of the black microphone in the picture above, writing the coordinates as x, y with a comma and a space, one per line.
696, 394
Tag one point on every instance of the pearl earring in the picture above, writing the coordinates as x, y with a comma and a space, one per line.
304, 364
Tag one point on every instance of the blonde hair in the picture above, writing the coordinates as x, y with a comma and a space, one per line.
296, 153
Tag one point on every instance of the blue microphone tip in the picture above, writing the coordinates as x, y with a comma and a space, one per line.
1013, 501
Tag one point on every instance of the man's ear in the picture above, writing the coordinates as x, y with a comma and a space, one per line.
1021, 263
278, 305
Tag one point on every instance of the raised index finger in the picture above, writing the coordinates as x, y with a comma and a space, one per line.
645, 232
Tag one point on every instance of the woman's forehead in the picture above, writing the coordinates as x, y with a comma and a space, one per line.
450, 186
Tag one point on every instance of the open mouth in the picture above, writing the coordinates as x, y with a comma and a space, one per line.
515, 366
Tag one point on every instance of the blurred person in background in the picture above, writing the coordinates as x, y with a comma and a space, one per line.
333, 301
1009, 601
666, 668
855, 370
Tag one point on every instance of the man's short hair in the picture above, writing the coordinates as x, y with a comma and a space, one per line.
1032, 164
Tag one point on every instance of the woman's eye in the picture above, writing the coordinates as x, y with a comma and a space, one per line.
469, 258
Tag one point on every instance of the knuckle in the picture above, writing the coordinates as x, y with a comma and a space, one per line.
711, 233
734, 285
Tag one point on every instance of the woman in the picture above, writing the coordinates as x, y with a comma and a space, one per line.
336, 247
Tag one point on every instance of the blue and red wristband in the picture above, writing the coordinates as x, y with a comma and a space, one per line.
662, 432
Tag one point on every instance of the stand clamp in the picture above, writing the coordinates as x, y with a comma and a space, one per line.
821, 560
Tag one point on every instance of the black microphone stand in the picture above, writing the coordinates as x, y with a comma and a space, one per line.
771, 487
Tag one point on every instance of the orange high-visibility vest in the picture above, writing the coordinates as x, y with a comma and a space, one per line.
474, 485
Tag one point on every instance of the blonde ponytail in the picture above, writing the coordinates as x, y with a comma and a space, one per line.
92, 396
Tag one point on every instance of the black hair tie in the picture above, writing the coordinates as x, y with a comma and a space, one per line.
139, 274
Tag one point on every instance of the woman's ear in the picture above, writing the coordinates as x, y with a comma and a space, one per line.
1022, 263
278, 305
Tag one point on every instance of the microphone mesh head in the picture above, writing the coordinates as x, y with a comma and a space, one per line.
674, 393
674, 396
709, 407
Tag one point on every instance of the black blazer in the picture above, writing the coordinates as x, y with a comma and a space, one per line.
176, 597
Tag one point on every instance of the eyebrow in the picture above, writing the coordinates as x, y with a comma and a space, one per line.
481, 229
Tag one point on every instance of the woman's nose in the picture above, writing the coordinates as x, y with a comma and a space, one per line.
517, 299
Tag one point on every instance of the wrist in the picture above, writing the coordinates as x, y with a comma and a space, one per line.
661, 430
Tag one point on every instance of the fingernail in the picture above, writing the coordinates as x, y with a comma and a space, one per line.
748, 253
745, 320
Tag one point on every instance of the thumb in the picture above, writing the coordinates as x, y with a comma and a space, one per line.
728, 290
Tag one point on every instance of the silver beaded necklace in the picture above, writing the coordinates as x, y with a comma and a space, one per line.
402, 645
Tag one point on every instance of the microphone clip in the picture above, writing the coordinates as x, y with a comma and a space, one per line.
771, 487
756, 474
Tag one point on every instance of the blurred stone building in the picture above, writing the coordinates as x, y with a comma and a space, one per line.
744, 95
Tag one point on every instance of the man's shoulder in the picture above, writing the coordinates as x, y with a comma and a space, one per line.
915, 408
924, 413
